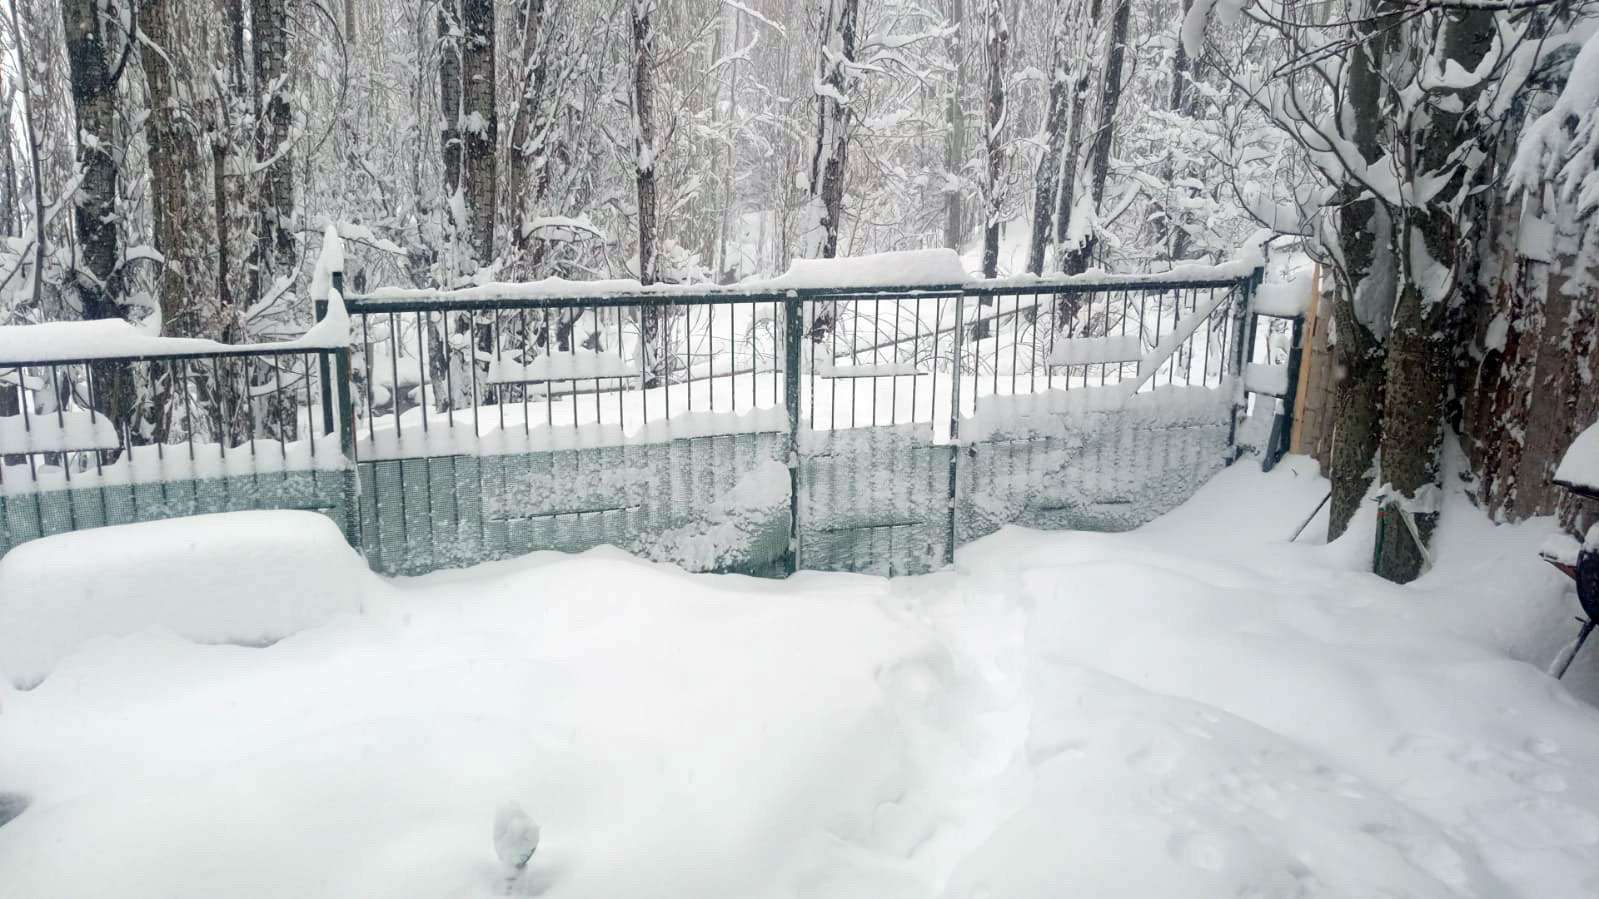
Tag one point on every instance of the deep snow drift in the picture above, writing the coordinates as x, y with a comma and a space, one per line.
1195, 709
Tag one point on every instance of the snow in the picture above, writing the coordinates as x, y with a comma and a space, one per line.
58, 432
1087, 350
516, 837
1271, 380
901, 268
249, 578
562, 227
576, 365
330, 260
153, 463
113, 338
908, 268
1579, 467
1283, 299
823, 369
1195, 709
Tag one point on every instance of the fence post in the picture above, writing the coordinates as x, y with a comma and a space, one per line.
346, 420
793, 315
320, 309
954, 421
1283, 425
1244, 332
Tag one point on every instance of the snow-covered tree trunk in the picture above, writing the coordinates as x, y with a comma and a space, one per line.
1419, 348
96, 220
954, 127
1082, 77
94, 97
10, 223
469, 130
276, 256
1082, 237
1364, 262
34, 151
1056, 118
530, 134
998, 45
830, 156
645, 148
479, 128
1170, 234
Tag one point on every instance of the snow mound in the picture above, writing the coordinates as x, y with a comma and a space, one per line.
1579, 468
249, 578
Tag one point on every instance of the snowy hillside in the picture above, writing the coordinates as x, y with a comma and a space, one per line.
1193, 709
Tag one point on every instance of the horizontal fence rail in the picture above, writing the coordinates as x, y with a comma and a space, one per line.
725, 428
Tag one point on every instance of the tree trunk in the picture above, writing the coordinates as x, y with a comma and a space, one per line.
95, 217
644, 145
178, 184
1066, 196
1170, 235
451, 143
1417, 378
1047, 179
94, 205
652, 354
30, 132
479, 128
1364, 251
998, 47
530, 135
9, 207
954, 127
1420, 360
275, 255
829, 162
1077, 256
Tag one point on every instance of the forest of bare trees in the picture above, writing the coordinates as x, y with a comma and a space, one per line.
174, 162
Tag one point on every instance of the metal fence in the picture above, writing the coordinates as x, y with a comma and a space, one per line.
465, 425
87, 441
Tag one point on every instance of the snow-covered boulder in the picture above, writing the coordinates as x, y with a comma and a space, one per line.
249, 578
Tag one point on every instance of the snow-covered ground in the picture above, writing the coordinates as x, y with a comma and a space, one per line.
1194, 709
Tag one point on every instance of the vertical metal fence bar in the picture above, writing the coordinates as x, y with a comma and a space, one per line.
954, 424
792, 315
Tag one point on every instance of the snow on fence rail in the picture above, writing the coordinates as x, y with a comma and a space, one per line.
440, 428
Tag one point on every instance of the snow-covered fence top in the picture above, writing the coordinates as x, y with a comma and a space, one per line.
82, 341
900, 273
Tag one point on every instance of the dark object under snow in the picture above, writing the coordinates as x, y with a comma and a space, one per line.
12, 805
1583, 569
